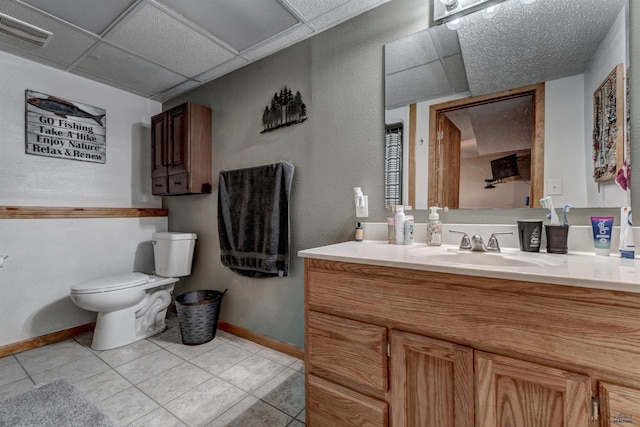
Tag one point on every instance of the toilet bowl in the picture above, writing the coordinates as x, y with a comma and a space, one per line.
133, 306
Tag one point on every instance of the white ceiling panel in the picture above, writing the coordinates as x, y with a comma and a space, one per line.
344, 12
233, 64
409, 52
239, 23
67, 43
162, 48
411, 85
103, 13
164, 40
300, 33
120, 67
310, 9
176, 90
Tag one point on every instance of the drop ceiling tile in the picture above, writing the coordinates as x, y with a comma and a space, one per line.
300, 33
310, 9
176, 90
446, 40
66, 45
239, 23
454, 69
409, 52
223, 69
103, 13
344, 12
154, 34
416, 84
127, 70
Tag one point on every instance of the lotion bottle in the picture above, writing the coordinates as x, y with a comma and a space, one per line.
408, 229
399, 224
434, 228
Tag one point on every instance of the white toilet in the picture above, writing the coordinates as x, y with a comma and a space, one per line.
133, 306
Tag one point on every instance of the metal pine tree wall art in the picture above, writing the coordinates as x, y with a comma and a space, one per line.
285, 109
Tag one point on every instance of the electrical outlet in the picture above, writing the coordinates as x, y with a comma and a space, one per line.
554, 187
362, 211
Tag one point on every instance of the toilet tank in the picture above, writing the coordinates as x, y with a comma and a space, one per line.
173, 253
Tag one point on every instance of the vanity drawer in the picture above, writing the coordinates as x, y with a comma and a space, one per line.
347, 351
330, 405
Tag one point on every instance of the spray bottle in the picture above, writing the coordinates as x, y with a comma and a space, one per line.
434, 228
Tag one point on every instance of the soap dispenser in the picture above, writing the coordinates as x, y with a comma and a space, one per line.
434, 228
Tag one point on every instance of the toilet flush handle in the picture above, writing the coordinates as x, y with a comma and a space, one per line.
2, 258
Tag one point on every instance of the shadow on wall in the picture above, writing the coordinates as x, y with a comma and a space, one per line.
56, 316
140, 164
63, 313
144, 261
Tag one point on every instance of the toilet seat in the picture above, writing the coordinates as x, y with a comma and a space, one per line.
112, 283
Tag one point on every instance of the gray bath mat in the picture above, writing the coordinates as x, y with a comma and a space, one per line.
55, 404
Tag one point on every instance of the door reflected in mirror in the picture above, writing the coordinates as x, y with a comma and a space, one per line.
482, 150
569, 48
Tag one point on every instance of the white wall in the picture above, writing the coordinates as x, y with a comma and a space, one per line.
511, 193
610, 53
48, 256
564, 140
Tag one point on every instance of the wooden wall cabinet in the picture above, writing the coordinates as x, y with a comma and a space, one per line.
407, 348
181, 150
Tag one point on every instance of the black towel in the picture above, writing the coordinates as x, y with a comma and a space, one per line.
253, 219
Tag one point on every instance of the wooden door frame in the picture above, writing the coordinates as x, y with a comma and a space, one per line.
536, 191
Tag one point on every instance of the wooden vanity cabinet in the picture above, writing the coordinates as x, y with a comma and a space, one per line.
181, 150
465, 351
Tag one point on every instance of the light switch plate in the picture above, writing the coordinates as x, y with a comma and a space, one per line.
554, 187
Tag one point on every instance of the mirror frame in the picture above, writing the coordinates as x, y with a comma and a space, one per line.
435, 172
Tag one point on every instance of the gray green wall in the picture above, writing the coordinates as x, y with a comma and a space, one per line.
340, 74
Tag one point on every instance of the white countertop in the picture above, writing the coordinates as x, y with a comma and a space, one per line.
573, 269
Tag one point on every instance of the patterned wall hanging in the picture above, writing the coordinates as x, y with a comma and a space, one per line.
65, 129
608, 126
285, 109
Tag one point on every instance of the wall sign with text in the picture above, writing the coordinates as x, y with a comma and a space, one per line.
57, 127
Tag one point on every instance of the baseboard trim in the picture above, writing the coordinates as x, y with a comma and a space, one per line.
54, 337
274, 344
18, 347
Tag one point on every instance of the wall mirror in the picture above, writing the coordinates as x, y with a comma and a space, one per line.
543, 60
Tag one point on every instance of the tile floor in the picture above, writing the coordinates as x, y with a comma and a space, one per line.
159, 381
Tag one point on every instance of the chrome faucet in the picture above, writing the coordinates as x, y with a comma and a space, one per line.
476, 243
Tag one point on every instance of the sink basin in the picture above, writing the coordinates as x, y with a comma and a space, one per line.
455, 257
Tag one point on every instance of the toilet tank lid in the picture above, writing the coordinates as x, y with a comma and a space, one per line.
111, 283
172, 235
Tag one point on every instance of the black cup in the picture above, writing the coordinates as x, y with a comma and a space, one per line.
557, 238
530, 235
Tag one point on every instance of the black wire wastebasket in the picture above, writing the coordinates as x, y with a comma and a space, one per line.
198, 313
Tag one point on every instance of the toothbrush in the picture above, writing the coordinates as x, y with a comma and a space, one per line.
565, 209
552, 215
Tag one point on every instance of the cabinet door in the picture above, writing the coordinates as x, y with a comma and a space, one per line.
431, 382
178, 139
158, 146
620, 405
512, 392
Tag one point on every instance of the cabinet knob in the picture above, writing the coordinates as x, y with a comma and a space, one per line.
158, 185
177, 182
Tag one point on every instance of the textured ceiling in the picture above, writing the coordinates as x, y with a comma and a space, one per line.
532, 43
161, 48
523, 44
